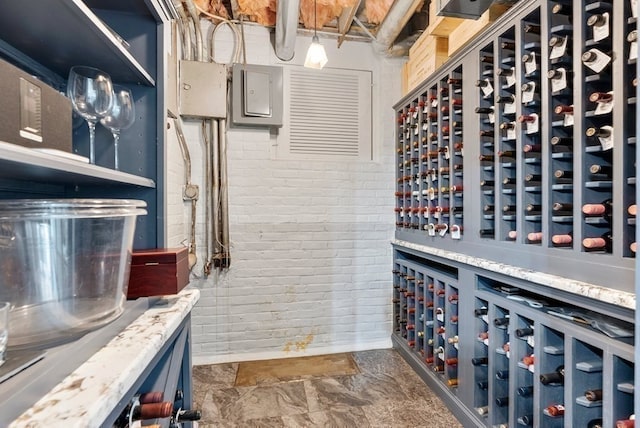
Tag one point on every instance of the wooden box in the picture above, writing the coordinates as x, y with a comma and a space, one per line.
158, 271
425, 56
441, 26
470, 28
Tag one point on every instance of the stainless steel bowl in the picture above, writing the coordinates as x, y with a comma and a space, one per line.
64, 265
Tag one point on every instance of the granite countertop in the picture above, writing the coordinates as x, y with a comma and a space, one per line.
604, 294
87, 396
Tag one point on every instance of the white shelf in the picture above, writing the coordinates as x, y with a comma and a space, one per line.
17, 162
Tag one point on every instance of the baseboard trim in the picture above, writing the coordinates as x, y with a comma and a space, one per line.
271, 355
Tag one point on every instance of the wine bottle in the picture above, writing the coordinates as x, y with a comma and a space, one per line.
502, 374
453, 340
560, 141
484, 110
592, 55
502, 401
595, 423
505, 72
486, 158
562, 239
532, 178
528, 359
561, 9
555, 410
533, 209
486, 183
486, 59
602, 243
527, 118
482, 84
597, 169
487, 133
508, 45
563, 109
483, 410
597, 20
454, 81
593, 394
509, 209
486, 233
523, 332
625, 423
143, 412
534, 236
604, 208
452, 382
451, 361
505, 99
598, 132
505, 126
525, 391
562, 174
553, 378
532, 148
601, 97
488, 209
482, 385
501, 322
480, 361
531, 28
507, 154
526, 420
512, 234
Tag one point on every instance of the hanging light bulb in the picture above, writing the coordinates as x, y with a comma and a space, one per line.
316, 56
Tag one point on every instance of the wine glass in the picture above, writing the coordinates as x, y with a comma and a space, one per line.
91, 94
121, 116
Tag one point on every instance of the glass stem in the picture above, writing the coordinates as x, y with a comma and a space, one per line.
116, 139
92, 139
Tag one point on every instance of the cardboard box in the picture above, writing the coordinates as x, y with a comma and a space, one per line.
32, 114
425, 57
441, 26
470, 28
157, 272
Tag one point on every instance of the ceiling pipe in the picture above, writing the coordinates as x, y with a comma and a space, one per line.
399, 14
287, 14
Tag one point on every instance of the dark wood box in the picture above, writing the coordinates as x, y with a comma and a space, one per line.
157, 272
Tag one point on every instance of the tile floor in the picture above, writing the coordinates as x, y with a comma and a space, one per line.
384, 392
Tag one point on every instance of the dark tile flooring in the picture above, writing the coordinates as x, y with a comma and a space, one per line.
385, 393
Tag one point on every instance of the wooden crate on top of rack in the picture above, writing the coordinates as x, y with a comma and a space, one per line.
425, 56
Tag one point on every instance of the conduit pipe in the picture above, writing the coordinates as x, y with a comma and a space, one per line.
399, 14
287, 15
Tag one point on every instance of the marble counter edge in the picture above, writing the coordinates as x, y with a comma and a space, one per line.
86, 397
598, 292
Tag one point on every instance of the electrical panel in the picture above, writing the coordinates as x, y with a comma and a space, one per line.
203, 90
256, 95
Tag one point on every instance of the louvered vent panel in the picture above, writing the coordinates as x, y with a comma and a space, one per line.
324, 114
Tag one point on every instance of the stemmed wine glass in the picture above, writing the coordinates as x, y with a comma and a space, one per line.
121, 116
91, 94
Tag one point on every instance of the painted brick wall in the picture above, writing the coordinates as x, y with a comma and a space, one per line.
311, 258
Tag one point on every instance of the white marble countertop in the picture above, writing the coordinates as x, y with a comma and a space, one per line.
604, 294
87, 396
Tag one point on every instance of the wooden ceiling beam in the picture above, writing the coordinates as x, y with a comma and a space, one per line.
345, 20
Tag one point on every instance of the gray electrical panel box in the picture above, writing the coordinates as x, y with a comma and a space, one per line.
462, 8
203, 90
256, 95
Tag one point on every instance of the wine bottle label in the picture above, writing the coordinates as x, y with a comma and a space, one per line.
634, 8
632, 38
604, 107
607, 142
487, 89
601, 31
492, 118
600, 61
510, 79
559, 81
532, 127
444, 230
530, 65
559, 48
528, 92
568, 119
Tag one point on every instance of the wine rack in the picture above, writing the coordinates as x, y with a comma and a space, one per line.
429, 192
506, 352
550, 131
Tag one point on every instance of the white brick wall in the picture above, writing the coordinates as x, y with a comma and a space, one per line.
310, 256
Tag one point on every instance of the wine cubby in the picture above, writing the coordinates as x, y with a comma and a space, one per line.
505, 352
550, 130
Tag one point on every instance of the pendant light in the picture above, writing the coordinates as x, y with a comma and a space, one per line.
316, 56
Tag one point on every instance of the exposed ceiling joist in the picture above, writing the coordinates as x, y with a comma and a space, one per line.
345, 20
